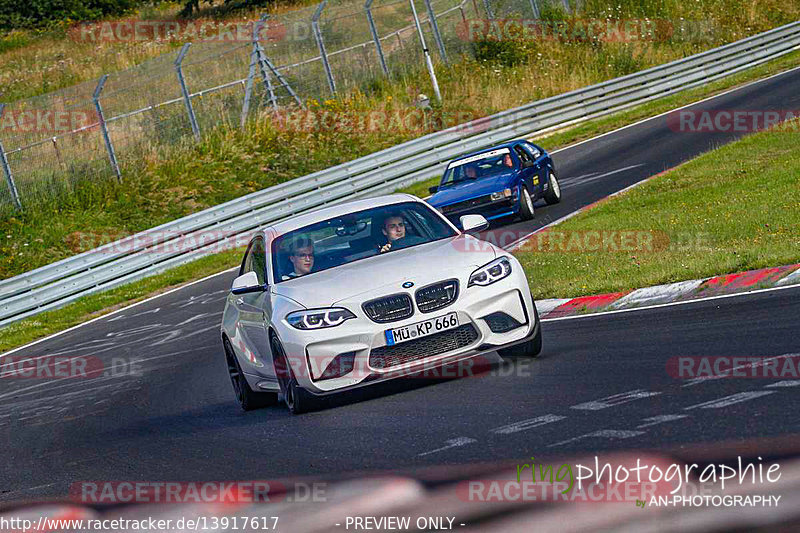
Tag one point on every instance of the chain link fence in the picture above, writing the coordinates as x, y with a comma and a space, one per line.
53, 143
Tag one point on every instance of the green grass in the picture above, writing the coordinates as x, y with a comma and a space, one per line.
732, 209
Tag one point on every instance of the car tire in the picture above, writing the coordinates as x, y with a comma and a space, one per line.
525, 204
553, 194
248, 398
529, 349
297, 399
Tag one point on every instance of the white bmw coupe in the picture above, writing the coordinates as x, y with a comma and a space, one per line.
367, 291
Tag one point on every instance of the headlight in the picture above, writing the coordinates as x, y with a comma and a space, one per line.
319, 318
487, 274
502, 195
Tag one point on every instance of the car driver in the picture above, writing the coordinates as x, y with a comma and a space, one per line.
394, 229
301, 255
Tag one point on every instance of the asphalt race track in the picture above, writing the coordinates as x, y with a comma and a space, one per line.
161, 408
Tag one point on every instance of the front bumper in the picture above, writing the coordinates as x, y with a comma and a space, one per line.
490, 211
310, 353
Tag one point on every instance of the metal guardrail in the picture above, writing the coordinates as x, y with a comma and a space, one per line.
203, 233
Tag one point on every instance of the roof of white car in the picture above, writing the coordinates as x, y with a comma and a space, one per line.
324, 213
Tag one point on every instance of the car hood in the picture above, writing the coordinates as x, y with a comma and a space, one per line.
384, 274
471, 189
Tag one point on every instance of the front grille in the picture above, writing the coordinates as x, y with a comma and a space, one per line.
389, 308
437, 295
438, 343
466, 204
500, 322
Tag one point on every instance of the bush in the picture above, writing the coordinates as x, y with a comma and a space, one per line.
506, 52
16, 14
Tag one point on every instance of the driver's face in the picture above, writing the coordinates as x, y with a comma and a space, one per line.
394, 228
304, 260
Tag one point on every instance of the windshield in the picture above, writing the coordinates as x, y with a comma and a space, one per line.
478, 166
341, 240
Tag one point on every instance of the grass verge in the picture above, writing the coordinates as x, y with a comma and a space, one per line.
732, 209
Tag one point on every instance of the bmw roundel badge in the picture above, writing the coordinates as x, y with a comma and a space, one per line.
408, 284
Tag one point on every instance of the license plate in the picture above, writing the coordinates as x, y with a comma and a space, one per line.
421, 329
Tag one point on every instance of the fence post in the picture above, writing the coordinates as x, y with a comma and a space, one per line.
425, 51
321, 45
265, 77
378, 47
248, 88
187, 100
12, 187
279, 77
566, 5
535, 8
112, 156
488, 9
435, 27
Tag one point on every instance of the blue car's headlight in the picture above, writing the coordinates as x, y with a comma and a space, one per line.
319, 318
501, 195
489, 273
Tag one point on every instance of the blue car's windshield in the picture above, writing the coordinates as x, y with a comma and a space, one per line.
478, 166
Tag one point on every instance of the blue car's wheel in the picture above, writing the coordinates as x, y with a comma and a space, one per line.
525, 204
553, 194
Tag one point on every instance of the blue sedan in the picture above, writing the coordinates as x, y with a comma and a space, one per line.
502, 181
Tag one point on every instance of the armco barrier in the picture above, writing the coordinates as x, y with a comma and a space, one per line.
109, 266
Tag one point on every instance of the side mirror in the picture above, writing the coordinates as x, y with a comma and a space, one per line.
434, 189
473, 223
527, 164
247, 283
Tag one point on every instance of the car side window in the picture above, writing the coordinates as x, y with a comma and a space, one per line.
524, 156
255, 260
535, 152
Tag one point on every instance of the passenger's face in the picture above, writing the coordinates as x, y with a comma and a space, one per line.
507, 161
304, 260
394, 228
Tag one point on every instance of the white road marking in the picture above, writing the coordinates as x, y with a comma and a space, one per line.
451, 443
616, 399
531, 423
660, 419
602, 434
786, 383
730, 400
572, 183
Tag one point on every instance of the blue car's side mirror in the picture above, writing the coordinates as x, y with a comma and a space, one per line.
433, 189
